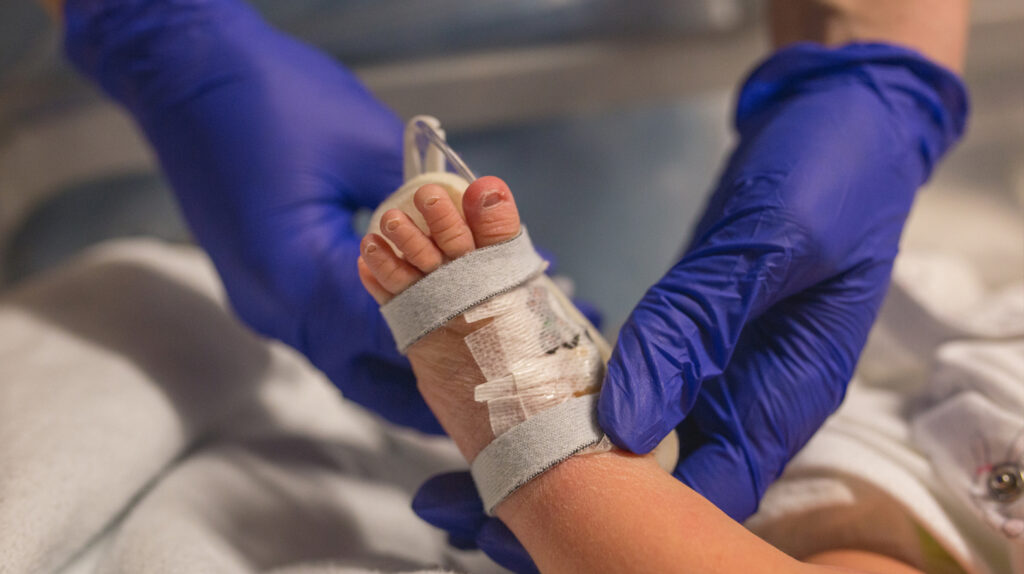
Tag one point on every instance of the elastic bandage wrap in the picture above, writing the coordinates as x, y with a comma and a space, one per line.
459, 285
541, 360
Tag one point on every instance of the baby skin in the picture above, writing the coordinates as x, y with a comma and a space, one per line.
444, 367
602, 512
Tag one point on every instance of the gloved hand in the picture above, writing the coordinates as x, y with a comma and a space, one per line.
270, 147
748, 343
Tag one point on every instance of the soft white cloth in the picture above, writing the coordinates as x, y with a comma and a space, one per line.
900, 469
142, 429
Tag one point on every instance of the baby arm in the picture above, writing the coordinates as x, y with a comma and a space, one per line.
618, 512
604, 512
935, 28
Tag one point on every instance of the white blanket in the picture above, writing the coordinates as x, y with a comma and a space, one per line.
142, 429
901, 468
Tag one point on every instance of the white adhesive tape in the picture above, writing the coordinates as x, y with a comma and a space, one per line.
532, 354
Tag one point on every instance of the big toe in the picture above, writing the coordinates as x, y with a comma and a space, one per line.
490, 211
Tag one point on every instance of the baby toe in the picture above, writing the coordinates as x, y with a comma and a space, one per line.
391, 272
417, 247
370, 283
491, 211
447, 227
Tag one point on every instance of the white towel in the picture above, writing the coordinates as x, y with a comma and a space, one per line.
143, 429
897, 469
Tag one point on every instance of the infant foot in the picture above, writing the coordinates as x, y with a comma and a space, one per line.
503, 361
444, 366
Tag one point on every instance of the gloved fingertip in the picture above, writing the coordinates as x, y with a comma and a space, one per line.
428, 426
502, 546
590, 311
461, 543
549, 257
385, 386
721, 473
417, 418
450, 501
622, 428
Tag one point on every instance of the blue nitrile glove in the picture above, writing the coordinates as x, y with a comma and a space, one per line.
271, 147
750, 340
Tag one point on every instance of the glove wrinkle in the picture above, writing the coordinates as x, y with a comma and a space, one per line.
270, 146
833, 146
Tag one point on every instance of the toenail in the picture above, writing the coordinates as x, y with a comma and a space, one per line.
370, 248
431, 201
391, 225
491, 198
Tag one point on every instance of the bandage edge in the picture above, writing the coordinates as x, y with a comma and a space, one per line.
466, 260
558, 420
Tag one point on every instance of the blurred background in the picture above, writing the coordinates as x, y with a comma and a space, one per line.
608, 118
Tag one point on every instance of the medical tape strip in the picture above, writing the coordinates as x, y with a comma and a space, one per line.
532, 354
460, 285
534, 446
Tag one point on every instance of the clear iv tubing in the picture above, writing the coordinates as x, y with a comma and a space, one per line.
427, 131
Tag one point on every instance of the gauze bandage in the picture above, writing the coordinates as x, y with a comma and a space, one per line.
541, 360
533, 354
